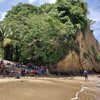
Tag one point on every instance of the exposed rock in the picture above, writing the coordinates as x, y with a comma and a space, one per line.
86, 59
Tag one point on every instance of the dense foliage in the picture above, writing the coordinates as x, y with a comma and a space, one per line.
43, 34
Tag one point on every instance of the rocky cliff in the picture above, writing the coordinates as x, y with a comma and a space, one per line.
86, 59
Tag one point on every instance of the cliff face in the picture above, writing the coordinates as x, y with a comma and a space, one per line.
89, 48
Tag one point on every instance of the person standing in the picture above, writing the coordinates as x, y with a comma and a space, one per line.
2, 66
86, 75
18, 73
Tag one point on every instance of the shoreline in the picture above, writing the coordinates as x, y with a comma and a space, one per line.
63, 88
90, 90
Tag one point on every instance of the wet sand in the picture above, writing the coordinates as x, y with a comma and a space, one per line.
38, 89
90, 90
42, 89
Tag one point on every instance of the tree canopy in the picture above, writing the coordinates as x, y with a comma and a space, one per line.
44, 34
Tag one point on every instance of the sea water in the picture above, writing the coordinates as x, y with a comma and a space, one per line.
90, 90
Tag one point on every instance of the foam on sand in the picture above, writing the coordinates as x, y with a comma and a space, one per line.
89, 91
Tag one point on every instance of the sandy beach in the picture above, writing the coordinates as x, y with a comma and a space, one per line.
42, 88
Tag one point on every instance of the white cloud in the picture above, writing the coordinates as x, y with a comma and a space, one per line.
52, 1
1, 0
94, 9
95, 15
41, 1
97, 35
31, 1
2, 15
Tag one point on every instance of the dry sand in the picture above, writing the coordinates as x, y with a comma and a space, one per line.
43, 89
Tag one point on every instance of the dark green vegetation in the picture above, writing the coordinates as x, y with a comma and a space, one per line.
96, 56
42, 34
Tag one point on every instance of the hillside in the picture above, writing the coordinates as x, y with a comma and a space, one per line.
56, 35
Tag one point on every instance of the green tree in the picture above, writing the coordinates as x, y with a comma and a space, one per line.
46, 33
5, 32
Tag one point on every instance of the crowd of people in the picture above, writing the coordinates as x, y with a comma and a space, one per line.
19, 70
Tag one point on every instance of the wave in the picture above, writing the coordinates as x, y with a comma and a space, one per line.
89, 91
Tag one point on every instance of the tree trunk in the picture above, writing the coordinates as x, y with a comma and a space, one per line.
17, 53
2, 51
8, 52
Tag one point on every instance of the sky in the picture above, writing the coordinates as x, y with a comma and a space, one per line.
93, 7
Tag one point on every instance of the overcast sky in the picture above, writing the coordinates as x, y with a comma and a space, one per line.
93, 6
